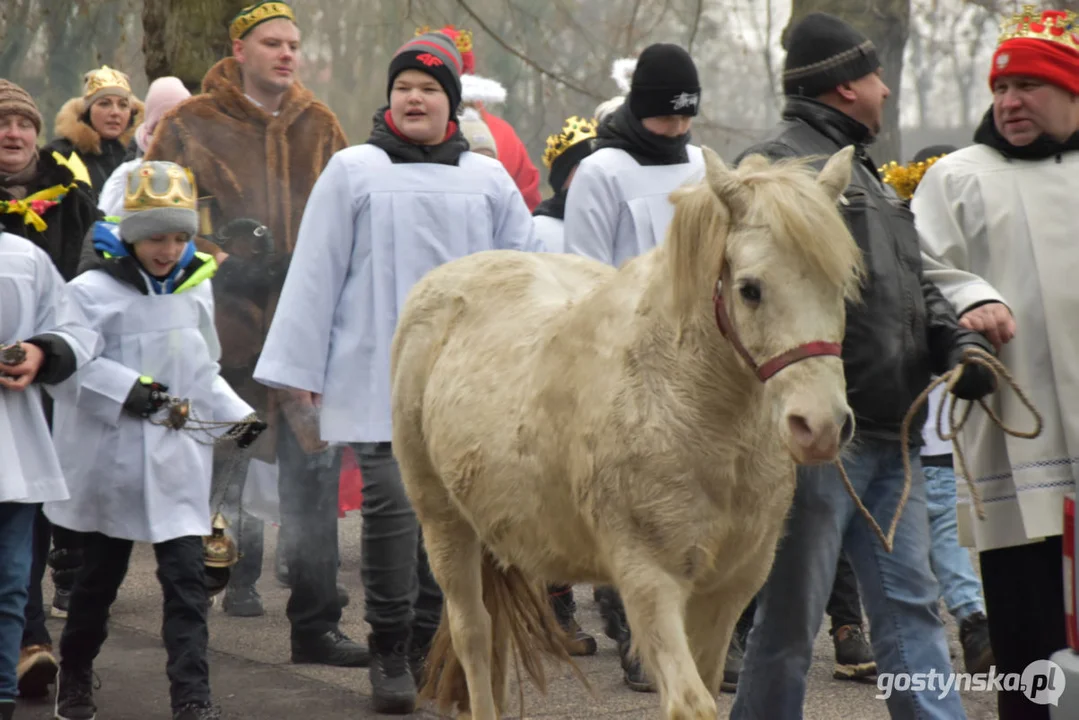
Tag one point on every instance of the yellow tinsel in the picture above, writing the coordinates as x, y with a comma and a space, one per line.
905, 178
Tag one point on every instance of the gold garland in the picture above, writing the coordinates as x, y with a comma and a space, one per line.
905, 178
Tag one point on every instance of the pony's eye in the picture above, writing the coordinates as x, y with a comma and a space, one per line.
750, 292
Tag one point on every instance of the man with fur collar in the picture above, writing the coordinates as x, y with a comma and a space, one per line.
995, 222
257, 140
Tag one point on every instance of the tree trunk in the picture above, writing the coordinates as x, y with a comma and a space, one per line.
886, 23
186, 37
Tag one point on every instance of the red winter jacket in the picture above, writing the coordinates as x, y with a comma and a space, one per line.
514, 157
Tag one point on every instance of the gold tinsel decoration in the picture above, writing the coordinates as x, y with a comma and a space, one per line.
905, 178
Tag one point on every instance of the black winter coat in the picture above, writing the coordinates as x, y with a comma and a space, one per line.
67, 223
903, 331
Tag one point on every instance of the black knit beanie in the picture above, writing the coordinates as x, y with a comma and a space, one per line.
932, 151
664, 83
436, 55
824, 52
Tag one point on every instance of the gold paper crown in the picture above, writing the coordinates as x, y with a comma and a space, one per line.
1053, 25
574, 130
252, 15
905, 178
160, 184
463, 41
103, 78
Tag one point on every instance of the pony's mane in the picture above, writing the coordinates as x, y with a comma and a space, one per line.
785, 199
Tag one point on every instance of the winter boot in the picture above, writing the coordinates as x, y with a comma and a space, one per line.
853, 655
36, 670
974, 637
393, 687
75, 694
565, 610
197, 711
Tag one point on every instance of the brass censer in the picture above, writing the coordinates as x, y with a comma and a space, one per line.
219, 554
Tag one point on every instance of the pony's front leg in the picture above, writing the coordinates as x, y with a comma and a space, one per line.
710, 619
655, 607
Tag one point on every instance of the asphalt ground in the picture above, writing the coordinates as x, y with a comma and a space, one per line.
251, 675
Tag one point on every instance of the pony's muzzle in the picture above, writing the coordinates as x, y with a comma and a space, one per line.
817, 437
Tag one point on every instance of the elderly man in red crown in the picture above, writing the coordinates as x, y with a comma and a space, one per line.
512, 153
997, 228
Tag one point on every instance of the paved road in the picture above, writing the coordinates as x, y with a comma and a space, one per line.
252, 678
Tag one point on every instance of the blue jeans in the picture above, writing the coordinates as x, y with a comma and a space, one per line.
16, 554
899, 590
960, 587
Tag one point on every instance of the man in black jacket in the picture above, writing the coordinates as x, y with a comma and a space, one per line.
901, 333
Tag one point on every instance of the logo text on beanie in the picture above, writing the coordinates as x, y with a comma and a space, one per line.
684, 100
429, 60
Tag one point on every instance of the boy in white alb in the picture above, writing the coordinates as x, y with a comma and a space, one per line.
381, 216
43, 340
133, 480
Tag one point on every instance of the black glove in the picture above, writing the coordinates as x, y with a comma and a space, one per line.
146, 397
250, 434
976, 381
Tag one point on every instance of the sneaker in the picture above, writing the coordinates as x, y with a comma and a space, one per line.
196, 711
243, 602
393, 688
61, 600
75, 695
974, 637
853, 655
36, 670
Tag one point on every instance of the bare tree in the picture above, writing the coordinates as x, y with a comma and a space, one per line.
186, 37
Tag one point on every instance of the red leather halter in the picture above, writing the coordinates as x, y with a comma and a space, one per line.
766, 370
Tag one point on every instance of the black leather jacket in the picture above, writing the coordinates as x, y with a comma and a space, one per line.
903, 331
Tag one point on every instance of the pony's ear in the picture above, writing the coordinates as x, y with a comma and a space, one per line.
727, 187
836, 174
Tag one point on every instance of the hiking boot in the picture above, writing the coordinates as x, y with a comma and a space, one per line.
75, 694
853, 655
61, 600
732, 668
243, 602
393, 687
36, 670
417, 654
633, 672
974, 637
330, 648
196, 711
565, 611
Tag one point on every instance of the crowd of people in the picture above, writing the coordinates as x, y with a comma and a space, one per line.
197, 285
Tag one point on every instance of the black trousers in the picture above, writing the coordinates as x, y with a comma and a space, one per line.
1024, 599
308, 490
181, 572
401, 595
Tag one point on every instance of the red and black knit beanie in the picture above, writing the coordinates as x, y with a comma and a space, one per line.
436, 55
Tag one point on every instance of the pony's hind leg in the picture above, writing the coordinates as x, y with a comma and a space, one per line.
456, 562
655, 607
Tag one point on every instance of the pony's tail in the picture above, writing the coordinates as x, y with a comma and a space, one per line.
520, 613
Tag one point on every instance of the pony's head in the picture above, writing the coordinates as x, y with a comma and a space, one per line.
762, 262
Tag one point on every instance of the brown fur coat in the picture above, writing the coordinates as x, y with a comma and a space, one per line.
249, 164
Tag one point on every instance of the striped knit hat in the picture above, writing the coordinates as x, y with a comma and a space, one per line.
436, 55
